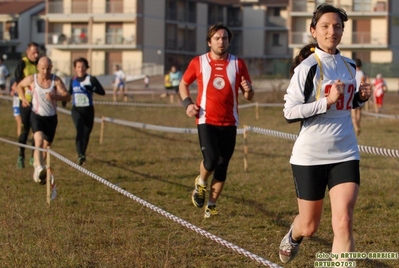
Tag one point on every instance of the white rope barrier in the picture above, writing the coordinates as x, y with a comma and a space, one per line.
273, 133
390, 116
23, 145
136, 104
366, 149
362, 148
151, 206
167, 214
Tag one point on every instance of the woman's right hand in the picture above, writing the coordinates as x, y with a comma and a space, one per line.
335, 92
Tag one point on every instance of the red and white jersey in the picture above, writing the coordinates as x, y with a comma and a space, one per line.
378, 85
218, 83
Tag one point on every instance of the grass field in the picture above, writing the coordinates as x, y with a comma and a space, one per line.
92, 225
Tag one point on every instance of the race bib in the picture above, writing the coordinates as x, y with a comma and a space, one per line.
81, 100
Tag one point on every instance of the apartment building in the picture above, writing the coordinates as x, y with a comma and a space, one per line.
371, 33
103, 31
259, 28
21, 22
148, 37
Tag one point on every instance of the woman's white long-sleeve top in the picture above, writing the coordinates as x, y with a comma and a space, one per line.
326, 135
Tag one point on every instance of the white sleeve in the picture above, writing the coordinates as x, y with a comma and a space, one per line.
295, 108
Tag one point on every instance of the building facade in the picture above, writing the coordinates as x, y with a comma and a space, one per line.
149, 36
371, 33
21, 22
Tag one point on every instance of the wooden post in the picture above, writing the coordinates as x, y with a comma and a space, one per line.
257, 111
245, 149
48, 177
102, 130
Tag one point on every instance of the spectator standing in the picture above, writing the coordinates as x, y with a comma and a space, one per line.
168, 87
175, 77
26, 67
379, 89
219, 76
321, 94
15, 105
119, 83
357, 113
4, 74
81, 87
47, 89
146, 81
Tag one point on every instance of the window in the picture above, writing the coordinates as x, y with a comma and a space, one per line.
114, 33
192, 12
12, 29
40, 25
276, 40
361, 5
215, 14
79, 33
171, 36
114, 6
234, 17
171, 10
235, 47
380, 6
319, 2
276, 12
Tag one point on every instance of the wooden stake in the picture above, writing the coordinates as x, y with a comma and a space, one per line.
257, 111
102, 130
48, 179
245, 150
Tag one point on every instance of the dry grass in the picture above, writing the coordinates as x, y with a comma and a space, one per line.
91, 225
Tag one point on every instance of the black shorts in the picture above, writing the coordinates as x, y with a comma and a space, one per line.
175, 89
217, 146
311, 181
46, 124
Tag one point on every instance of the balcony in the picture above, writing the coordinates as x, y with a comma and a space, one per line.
306, 7
9, 38
81, 11
84, 7
276, 23
349, 40
71, 41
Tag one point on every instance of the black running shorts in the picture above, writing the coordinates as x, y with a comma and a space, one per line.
311, 181
46, 124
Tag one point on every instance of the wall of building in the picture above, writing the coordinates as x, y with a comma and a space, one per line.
154, 32
202, 29
98, 33
253, 36
25, 35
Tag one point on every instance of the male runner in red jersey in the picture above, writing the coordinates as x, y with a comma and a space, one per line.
219, 75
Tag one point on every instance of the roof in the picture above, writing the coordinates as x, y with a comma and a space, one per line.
17, 7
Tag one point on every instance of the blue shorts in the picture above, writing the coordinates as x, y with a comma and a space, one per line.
16, 111
15, 106
120, 85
